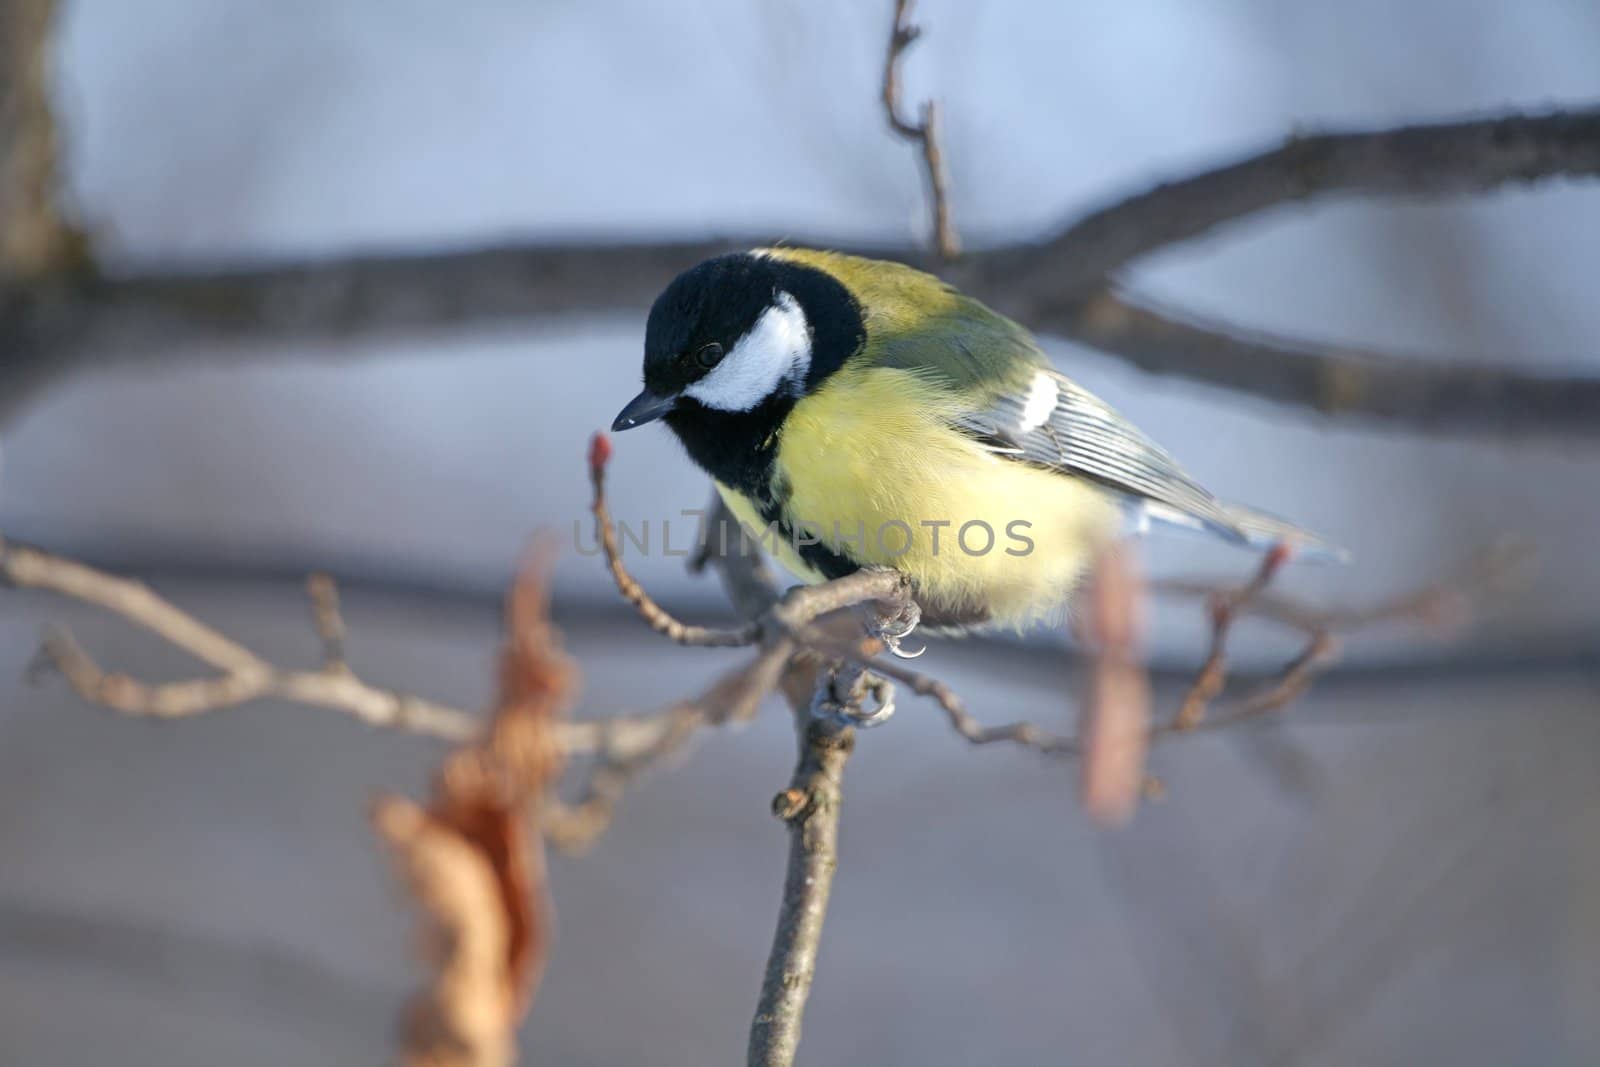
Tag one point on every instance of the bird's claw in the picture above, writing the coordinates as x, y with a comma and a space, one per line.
892, 631
827, 704
895, 650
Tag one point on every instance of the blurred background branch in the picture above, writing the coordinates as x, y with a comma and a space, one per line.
38, 245
1055, 285
37, 241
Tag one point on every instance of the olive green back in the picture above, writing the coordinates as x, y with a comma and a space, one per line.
917, 322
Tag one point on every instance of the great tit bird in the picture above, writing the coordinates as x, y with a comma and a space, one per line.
861, 413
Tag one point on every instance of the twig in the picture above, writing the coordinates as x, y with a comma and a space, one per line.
786, 617
245, 677
782, 627
1025, 734
1320, 652
1446, 604
327, 617
648, 741
31, 568
810, 807
1225, 607
925, 133
659, 619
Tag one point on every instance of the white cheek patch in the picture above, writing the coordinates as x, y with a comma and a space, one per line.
776, 350
1040, 404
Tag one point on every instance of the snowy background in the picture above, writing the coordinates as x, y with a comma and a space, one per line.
1425, 887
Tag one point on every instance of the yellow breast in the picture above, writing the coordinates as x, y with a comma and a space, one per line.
874, 471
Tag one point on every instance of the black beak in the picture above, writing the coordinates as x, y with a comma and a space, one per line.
646, 407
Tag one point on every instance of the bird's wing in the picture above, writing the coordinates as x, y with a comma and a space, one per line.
1024, 410
1047, 419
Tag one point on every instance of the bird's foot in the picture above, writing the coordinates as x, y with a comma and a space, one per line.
896, 628
844, 699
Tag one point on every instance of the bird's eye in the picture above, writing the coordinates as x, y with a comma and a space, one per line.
709, 355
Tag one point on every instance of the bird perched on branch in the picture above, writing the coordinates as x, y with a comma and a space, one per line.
860, 413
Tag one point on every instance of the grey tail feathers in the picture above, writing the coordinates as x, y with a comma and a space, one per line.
1261, 530
1247, 526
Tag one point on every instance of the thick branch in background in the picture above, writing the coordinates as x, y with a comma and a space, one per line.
37, 244
1334, 380
36, 241
1053, 285
1428, 160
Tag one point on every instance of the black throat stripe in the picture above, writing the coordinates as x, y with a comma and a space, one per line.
819, 557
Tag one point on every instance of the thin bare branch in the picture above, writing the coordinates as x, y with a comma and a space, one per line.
1442, 605
659, 619
245, 676
1025, 734
810, 807
627, 748
1225, 607
925, 133
31, 568
328, 618
782, 627
334, 691
786, 618
1446, 604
